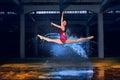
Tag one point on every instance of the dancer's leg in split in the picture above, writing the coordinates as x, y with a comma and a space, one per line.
68, 41
50, 40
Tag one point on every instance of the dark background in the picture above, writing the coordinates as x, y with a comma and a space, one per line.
40, 23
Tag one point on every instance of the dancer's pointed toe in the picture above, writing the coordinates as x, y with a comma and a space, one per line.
91, 37
41, 37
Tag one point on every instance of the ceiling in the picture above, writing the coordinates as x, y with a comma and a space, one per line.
97, 6
104, 4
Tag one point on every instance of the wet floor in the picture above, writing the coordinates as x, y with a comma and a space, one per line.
60, 69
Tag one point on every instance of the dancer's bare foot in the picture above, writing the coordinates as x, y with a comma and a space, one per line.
41, 37
91, 37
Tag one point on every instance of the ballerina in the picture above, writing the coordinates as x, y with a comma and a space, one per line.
63, 38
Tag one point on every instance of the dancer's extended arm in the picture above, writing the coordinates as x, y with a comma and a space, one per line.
62, 18
58, 26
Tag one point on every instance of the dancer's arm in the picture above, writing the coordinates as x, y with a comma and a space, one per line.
62, 18
58, 26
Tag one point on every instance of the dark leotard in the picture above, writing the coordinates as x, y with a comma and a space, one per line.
63, 37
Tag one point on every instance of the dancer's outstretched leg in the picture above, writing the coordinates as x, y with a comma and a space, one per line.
49, 39
87, 38
68, 41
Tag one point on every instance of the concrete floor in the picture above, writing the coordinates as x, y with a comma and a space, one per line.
60, 69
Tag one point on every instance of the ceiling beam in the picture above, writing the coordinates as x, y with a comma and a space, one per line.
29, 8
113, 8
90, 19
16, 2
105, 5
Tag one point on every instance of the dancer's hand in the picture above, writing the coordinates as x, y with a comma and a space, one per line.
63, 12
51, 23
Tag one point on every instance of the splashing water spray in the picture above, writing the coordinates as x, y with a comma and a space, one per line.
62, 49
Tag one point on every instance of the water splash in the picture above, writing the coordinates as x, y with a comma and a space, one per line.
66, 49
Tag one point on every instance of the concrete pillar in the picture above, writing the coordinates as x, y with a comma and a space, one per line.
100, 36
22, 34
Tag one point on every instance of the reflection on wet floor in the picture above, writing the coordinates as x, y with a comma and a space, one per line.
54, 69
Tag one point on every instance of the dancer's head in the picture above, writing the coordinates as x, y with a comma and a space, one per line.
64, 22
